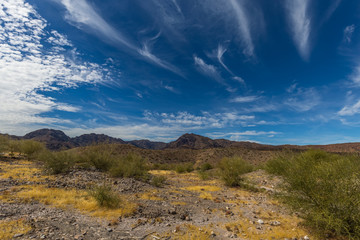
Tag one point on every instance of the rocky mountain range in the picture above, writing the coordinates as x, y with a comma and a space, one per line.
58, 140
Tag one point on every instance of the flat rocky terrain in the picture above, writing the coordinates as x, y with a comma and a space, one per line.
34, 205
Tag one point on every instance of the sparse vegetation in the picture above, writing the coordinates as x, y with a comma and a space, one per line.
99, 156
4, 143
30, 148
325, 188
105, 197
205, 167
57, 162
131, 165
158, 181
184, 167
231, 169
203, 175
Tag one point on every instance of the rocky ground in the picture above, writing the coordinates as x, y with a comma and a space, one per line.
33, 206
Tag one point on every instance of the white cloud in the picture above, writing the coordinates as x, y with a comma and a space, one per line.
350, 110
300, 25
205, 120
207, 69
244, 27
145, 52
348, 32
81, 14
302, 99
239, 79
27, 67
245, 99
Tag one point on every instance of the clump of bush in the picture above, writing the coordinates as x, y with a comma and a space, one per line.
324, 187
105, 196
158, 181
184, 167
205, 167
4, 143
99, 156
57, 162
30, 148
131, 165
231, 169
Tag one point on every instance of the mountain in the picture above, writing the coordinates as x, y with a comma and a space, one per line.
54, 139
193, 141
146, 144
93, 138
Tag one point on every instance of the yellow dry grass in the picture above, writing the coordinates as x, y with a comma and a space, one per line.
188, 232
150, 196
8, 228
22, 170
206, 188
178, 203
289, 227
69, 198
162, 172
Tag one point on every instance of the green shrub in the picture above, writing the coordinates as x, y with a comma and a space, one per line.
4, 143
158, 181
99, 156
231, 169
31, 148
203, 175
131, 165
105, 197
184, 167
57, 162
205, 167
325, 188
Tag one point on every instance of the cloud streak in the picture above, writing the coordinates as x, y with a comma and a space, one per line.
244, 27
300, 25
82, 15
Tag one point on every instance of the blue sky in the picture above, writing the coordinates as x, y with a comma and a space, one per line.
277, 72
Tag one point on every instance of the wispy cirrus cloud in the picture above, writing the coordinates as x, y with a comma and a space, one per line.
28, 69
205, 120
348, 32
350, 110
245, 99
302, 99
82, 15
244, 27
207, 69
300, 25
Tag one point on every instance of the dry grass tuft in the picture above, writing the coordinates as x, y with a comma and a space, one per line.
22, 170
78, 199
9, 228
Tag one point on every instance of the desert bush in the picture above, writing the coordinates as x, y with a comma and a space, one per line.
105, 196
158, 181
325, 188
205, 167
4, 143
203, 175
30, 148
184, 167
131, 165
57, 162
231, 169
100, 156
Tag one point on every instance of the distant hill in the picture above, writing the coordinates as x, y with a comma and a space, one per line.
193, 141
54, 139
58, 140
93, 138
147, 144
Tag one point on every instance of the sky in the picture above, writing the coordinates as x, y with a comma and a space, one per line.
273, 72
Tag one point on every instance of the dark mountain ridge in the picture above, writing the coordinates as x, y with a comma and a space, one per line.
58, 140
